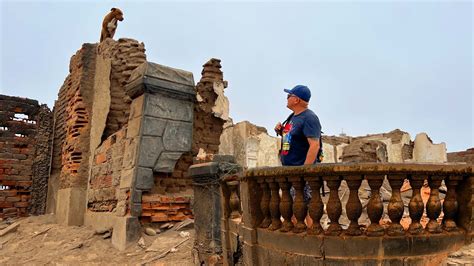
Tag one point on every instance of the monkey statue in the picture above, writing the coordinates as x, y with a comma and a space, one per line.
109, 25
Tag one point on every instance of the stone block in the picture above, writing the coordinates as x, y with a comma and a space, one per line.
136, 107
168, 108
126, 178
204, 169
71, 206
136, 196
130, 154
136, 209
295, 243
133, 128
178, 136
396, 246
150, 150
144, 178
153, 126
126, 232
166, 162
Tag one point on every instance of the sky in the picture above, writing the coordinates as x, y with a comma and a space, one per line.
372, 66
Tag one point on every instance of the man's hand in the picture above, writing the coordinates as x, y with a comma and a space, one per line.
278, 128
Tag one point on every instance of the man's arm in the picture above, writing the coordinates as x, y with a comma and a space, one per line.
313, 150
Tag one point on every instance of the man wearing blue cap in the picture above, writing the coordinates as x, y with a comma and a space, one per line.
301, 132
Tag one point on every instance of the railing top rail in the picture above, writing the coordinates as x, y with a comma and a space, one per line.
335, 169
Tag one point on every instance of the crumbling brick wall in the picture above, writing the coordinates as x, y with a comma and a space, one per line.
105, 175
72, 113
126, 55
25, 132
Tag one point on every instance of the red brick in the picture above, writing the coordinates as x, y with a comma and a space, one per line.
10, 183
13, 199
100, 158
25, 197
159, 217
23, 204
5, 204
147, 213
8, 193
24, 183
10, 210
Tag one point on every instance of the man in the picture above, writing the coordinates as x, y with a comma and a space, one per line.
301, 132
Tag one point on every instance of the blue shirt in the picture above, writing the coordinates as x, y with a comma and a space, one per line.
295, 137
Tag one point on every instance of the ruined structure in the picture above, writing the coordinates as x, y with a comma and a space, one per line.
253, 147
25, 134
250, 145
125, 132
466, 156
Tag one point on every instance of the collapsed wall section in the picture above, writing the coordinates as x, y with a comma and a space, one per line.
25, 132
72, 113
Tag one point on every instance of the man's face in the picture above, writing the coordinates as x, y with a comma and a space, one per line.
292, 101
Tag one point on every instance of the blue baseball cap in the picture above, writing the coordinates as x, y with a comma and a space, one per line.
301, 92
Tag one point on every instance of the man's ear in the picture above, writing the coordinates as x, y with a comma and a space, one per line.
113, 9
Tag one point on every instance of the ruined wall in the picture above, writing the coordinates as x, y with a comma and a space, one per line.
171, 197
72, 113
210, 114
250, 145
466, 156
25, 132
126, 55
104, 192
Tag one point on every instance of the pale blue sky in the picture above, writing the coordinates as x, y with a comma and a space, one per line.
372, 66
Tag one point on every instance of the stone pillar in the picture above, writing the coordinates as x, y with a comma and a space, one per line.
207, 210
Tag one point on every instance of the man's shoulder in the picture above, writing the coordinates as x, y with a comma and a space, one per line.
310, 114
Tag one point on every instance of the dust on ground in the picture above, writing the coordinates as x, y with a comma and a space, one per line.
40, 241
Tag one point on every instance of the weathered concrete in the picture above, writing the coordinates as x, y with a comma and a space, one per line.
426, 151
71, 206
251, 145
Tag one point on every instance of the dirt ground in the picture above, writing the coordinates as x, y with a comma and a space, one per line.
39, 241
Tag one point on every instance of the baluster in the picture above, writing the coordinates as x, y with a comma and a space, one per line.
433, 206
375, 206
265, 204
334, 206
316, 206
286, 204
416, 206
234, 199
396, 206
274, 204
450, 205
353, 205
299, 206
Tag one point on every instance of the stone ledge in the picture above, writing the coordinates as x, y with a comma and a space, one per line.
360, 247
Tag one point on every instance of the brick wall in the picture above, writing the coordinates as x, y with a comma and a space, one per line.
126, 55
106, 173
72, 112
25, 130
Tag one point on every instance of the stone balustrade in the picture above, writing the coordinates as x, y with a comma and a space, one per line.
277, 225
